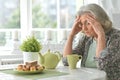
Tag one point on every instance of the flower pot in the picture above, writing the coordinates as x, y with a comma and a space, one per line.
30, 56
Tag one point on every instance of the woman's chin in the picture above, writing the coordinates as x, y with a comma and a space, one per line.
88, 35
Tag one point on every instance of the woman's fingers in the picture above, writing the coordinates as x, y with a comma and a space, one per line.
93, 21
77, 18
77, 21
90, 19
95, 24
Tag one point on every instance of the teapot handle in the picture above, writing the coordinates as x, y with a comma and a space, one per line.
58, 54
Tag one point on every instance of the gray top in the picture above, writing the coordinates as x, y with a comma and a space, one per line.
109, 59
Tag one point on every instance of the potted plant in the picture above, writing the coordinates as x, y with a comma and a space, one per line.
30, 47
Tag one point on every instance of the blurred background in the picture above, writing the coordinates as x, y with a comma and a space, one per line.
50, 21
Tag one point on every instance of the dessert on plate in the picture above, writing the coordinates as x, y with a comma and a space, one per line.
30, 66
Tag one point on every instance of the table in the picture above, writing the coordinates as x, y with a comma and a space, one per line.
74, 74
80, 74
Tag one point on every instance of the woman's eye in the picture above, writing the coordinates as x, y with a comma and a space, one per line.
86, 23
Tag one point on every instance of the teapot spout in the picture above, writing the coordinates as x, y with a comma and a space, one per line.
41, 59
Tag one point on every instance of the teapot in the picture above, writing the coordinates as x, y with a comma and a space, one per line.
50, 59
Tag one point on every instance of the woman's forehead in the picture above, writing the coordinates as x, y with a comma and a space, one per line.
82, 17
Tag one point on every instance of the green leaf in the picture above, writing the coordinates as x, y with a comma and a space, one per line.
31, 45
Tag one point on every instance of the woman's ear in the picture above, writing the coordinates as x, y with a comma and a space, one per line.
107, 24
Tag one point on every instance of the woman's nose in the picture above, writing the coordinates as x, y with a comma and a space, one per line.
84, 28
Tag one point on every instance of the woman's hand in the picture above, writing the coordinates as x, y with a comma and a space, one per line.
97, 27
76, 26
75, 29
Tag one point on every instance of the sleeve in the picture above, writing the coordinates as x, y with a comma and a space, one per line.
79, 45
109, 59
78, 48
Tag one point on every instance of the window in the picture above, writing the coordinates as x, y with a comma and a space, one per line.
47, 20
67, 13
51, 18
44, 16
9, 21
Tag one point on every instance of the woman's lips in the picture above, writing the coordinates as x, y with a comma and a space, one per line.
86, 32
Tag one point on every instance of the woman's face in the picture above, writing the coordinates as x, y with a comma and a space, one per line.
86, 26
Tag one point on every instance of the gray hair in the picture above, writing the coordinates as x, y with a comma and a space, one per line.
99, 14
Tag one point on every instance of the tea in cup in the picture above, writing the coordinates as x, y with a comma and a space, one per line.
72, 60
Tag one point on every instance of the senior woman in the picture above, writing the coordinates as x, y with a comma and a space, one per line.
100, 44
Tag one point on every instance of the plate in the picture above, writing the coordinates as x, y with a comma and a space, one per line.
28, 72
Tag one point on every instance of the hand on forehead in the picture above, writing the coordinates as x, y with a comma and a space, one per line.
85, 15
83, 19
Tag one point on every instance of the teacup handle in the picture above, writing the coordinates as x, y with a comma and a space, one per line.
80, 56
